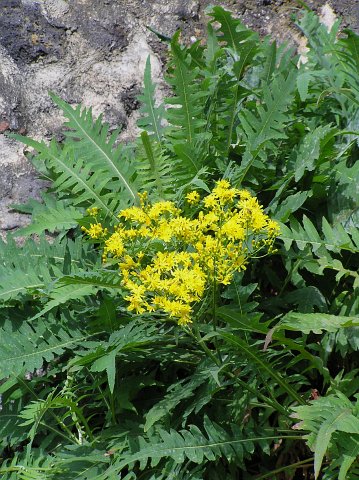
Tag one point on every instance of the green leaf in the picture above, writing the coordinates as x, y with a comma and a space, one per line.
189, 156
347, 178
323, 418
335, 238
349, 459
93, 144
191, 444
152, 115
101, 279
212, 47
155, 171
309, 150
187, 115
248, 323
64, 293
14, 284
245, 321
267, 122
270, 119
316, 322
290, 205
28, 347
11, 432
51, 220
108, 363
303, 81
233, 32
257, 357
134, 337
270, 55
177, 393
85, 181
306, 299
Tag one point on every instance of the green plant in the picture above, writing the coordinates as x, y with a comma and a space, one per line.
91, 390
329, 420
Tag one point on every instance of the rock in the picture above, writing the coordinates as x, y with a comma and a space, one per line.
18, 183
94, 52
26, 34
4, 125
10, 93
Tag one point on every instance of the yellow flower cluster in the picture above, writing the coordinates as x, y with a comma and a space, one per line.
93, 212
193, 197
168, 260
95, 231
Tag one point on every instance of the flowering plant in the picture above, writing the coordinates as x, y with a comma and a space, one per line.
169, 258
161, 344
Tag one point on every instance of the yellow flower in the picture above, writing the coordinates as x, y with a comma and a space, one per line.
114, 245
210, 201
136, 299
222, 184
135, 214
127, 263
193, 197
163, 231
225, 195
93, 211
258, 220
160, 208
95, 231
273, 228
183, 228
168, 261
131, 233
210, 221
244, 194
233, 228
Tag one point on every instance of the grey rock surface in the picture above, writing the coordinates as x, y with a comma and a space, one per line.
94, 52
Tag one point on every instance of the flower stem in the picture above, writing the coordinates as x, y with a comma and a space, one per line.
308, 462
271, 403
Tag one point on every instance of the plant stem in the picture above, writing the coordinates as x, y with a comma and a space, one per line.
304, 463
204, 347
214, 314
26, 469
271, 403
71, 437
293, 268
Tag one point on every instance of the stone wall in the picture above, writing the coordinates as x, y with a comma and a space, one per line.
93, 52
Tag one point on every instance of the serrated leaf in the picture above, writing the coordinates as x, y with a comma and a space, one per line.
233, 32
267, 122
108, 363
336, 239
290, 205
27, 349
324, 417
309, 150
93, 143
152, 115
306, 299
179, 392
51, 220
303, 81
74, 175
256, 356
316, 322
63, 294
189, 444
